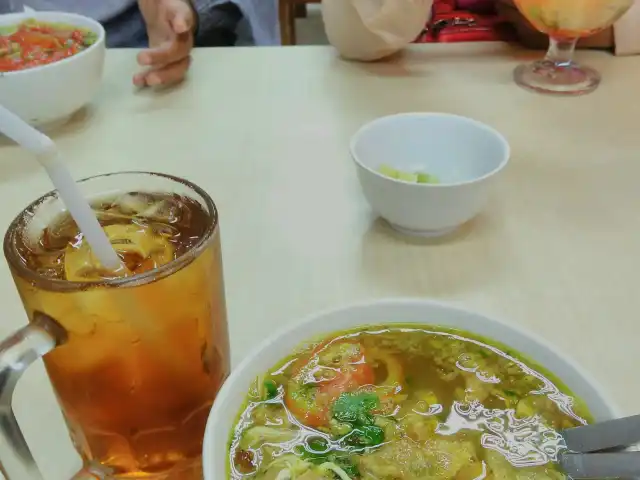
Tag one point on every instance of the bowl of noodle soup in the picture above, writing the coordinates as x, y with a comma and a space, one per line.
399, 389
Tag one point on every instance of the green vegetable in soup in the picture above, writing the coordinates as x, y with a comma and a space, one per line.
356, 408
317, 444
404, 403
271, 389
365, 436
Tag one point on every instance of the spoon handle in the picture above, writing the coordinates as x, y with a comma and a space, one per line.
601, 465
621, 432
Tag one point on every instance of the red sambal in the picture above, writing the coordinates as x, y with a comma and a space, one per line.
31, 44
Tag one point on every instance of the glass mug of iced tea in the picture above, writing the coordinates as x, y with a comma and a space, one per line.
135, 360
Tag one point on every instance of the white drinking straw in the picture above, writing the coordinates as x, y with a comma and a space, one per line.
48, 155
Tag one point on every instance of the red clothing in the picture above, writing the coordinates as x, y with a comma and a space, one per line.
465, 21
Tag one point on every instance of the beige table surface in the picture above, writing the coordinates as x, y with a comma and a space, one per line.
265, 131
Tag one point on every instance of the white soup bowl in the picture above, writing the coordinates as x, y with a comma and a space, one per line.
226, 409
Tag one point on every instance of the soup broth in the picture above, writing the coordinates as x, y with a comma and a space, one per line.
403, 403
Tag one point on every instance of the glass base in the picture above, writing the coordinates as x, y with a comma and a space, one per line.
545, 76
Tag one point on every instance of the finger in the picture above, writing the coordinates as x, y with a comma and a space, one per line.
180, 16
139, 79
167, 75
168, 52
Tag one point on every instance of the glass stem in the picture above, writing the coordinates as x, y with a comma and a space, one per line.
560, 51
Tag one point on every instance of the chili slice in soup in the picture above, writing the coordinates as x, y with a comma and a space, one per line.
31, 44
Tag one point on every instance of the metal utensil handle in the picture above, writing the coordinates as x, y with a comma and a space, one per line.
620, 432
17, 353
601, 465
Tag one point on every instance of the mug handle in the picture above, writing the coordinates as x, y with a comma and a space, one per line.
17, 353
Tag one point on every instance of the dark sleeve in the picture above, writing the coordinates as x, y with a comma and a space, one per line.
217, 23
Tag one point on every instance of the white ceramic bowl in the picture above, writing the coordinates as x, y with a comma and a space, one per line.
464, 154
49, 94
228, 403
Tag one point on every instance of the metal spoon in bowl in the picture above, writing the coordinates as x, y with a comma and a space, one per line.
596, 450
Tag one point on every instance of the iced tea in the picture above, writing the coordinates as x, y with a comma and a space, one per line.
147, 351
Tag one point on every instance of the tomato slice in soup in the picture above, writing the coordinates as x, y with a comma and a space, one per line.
332, 368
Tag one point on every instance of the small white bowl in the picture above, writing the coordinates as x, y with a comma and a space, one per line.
226, 408
464, 154
50, 94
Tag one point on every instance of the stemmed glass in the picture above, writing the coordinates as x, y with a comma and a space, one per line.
565, 21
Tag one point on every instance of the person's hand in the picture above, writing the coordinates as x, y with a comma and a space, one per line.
170, 28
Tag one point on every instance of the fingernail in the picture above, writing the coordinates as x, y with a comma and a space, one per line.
145, 59
138, 80
153, 79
